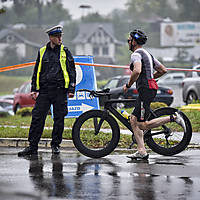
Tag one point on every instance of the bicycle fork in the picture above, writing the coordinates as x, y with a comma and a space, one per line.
97, 125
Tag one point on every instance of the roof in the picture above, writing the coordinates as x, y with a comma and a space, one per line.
86, 30
32, 37
5, 32
35, 35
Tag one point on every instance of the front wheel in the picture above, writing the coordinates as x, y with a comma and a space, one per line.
95, 133
171, 140
191, 97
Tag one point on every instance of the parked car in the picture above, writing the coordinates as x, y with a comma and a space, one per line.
171, 79
191, 87
164, 94
22, 97
7, 106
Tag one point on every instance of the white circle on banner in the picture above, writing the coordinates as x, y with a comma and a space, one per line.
79, 74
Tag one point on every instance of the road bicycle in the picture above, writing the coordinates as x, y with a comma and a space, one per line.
96, 133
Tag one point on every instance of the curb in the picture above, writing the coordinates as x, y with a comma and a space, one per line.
22, 142
46, 143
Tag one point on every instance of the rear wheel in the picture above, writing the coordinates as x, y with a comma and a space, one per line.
172, 141
95, 133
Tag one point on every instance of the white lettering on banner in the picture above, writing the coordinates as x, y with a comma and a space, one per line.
82, 108
80, 95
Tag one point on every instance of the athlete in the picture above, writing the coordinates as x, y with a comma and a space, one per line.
145, 69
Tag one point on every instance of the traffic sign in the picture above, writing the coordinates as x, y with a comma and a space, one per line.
85, 79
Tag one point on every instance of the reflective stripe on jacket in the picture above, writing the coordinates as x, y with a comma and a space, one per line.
63, 59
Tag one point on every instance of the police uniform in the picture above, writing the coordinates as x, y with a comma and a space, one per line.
54, 76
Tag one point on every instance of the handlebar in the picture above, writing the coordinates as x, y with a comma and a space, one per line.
93, 93
104, 92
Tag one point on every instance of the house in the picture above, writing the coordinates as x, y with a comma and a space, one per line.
26, 41
98, 40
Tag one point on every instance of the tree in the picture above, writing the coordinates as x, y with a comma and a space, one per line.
94, 17
188, 10
10, 57
35, 12
70, 31
142, 10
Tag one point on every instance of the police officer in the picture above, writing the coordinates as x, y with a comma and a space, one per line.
53, 80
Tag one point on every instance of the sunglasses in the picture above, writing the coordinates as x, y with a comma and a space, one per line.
128, 40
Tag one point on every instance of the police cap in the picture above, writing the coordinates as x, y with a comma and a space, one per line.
55, 30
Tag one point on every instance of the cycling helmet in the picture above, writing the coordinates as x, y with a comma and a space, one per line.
139, 36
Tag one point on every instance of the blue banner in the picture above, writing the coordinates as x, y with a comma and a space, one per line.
85, 79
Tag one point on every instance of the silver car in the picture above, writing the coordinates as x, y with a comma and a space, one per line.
171, 79
191, 87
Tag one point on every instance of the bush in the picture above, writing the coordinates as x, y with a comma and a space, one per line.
101, 83
155, 105
4, 114
195, 101
25, 111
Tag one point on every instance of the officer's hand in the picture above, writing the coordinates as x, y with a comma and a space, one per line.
125, 89
34, 95
70, 95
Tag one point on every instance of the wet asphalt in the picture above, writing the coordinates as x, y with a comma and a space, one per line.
73, 176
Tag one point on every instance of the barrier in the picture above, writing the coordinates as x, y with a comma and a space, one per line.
19, 66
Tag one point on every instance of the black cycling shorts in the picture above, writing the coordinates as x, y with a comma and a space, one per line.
142, 104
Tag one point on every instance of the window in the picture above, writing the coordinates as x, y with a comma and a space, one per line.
112, 84
105, 50
95, 51
28, 88
178, 77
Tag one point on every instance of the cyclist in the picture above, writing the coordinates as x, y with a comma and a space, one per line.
143, 65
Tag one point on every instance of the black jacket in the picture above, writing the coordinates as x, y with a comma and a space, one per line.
51, 75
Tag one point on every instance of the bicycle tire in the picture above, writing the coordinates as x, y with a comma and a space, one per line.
179, 140
102, 143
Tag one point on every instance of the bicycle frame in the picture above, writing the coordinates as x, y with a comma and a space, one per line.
108, 106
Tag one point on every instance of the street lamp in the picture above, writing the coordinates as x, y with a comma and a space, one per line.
83, 7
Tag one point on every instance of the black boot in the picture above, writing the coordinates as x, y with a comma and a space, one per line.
55, 149
28, 151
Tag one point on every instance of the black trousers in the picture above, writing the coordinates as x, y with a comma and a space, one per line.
58, 98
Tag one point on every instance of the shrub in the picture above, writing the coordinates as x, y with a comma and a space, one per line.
4, 114
25, 111
195, 101
155, 105
101, 83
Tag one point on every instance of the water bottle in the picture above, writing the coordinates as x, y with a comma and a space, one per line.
125, 114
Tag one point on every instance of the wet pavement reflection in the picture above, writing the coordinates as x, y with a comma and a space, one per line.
73, 176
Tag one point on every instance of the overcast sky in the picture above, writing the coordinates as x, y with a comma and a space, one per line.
101, 6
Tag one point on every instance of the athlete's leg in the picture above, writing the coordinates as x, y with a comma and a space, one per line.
138, 135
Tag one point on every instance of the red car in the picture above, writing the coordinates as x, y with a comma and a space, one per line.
23, 97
